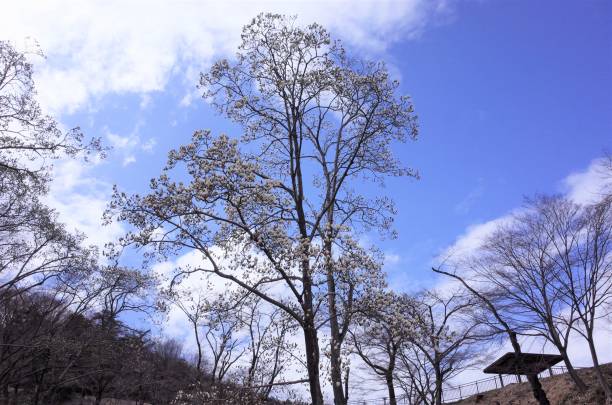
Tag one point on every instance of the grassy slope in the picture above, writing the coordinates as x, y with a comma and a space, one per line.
559, 389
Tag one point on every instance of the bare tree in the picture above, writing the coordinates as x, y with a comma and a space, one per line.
494, 310
516, 260
215, 323
114, 348
581, 244
122, 289
416, 376
28, 137
268, 348
42, 265
168, 372
226, 346
548, 272
309, 112
34, 248
194, 307
380, 330
592, 282
442, 342
48, 354
37, 348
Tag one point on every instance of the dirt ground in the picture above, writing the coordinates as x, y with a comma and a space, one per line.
559, 389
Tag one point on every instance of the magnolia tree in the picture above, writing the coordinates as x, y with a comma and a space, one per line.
36, 249
358, 285
381, 331
417, 342
49, 279
237, 335
269, 351
267, 211
30, 139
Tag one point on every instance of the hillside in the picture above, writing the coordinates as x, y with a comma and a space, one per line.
559, 389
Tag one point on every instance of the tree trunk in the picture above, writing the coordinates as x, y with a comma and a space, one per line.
15, 399
536, 389
391, 389
312, 361
438, 392
346, 384
572, 371
605, 385
5, 395
336, 367
336, 341
534, 381
199, 360
36, 398
335, 352
311, 340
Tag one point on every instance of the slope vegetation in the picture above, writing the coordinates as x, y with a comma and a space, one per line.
559, 389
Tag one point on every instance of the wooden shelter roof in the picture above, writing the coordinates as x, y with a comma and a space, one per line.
522, 363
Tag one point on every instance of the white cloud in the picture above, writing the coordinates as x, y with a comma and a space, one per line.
80, 199
392, 259
145, 101
128, 160
126, 146
119, 142
471, 239
148, 145
96, 48
587, 186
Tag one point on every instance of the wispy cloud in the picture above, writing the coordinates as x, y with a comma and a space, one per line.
127, 146
392, 259
582, 187
467, 203
80, 199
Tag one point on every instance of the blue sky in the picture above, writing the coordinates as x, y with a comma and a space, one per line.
513, 97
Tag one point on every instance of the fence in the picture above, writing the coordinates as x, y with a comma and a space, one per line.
462, 391
458, 392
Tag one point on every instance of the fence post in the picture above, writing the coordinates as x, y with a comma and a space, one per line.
518, 376
477, 391
501, 380
460, 395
